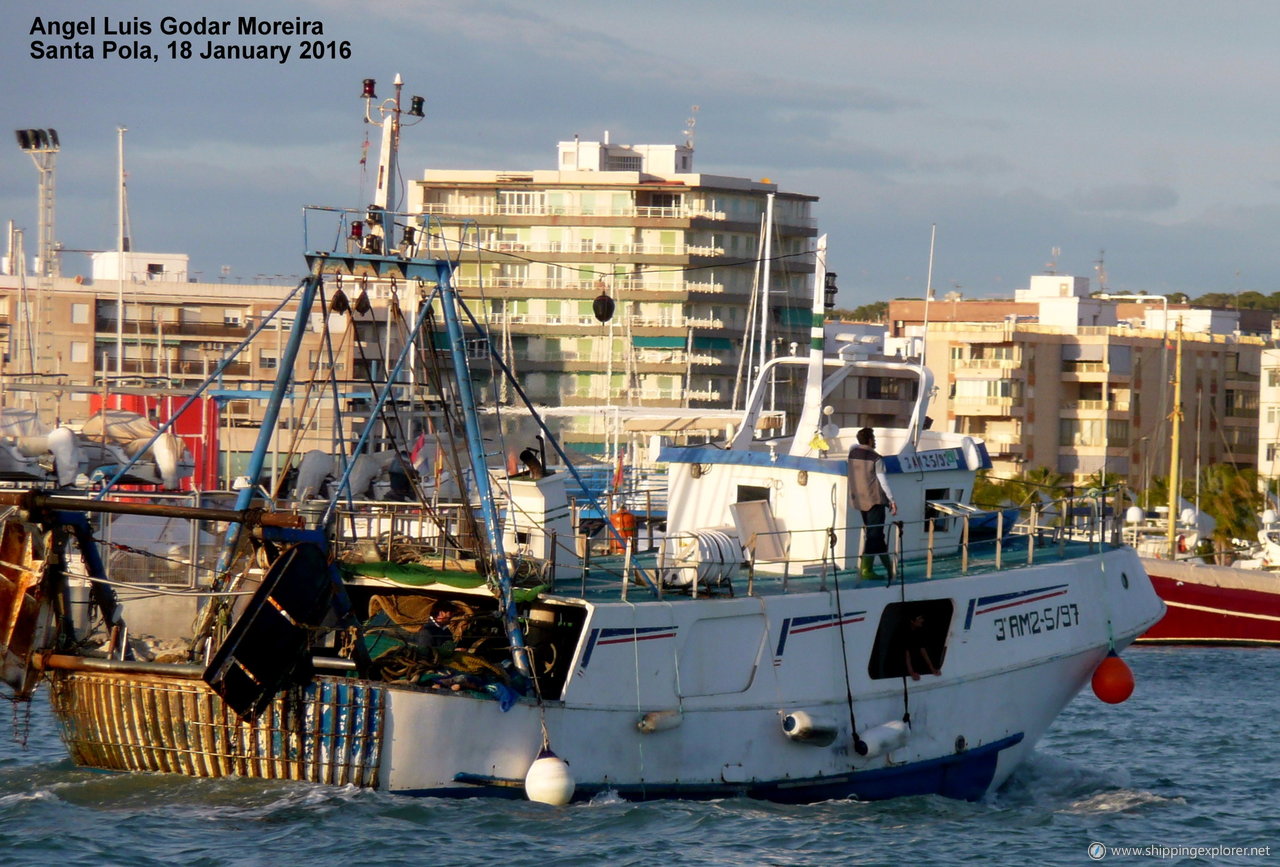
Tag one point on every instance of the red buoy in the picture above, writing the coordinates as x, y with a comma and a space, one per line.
1112, 680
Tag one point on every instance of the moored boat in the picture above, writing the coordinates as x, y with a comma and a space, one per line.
1228, 597
1210, 604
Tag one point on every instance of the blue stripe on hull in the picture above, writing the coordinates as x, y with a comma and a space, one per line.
965, 776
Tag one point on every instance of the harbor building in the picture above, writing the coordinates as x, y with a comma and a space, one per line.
1084, 383
681, 254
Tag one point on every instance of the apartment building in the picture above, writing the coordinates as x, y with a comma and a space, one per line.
1085, 384
678, 252
1269, 417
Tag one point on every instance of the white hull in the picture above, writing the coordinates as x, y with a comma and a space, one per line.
994, 692
718, 676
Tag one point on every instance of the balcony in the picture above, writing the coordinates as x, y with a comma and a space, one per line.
1004, 446
494, 209
588, 288
575, 249
229, 330
987, 406
181, 368
1121, 406
1000, 364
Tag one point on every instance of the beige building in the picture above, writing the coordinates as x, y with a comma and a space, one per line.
678, 252
1084, 385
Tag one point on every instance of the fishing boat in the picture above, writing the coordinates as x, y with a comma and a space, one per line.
746, 653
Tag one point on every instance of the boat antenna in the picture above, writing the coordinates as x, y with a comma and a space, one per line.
1175, 417
382, 211
928, 295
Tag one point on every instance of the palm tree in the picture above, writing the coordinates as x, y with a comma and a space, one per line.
1037, 481
1231, 497
990, 492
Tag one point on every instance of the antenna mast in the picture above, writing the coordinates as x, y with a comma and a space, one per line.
690, 126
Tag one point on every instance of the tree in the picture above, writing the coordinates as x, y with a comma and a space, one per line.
992, 492
875, 312
1231, 497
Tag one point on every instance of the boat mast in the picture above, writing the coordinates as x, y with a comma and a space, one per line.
1175, 475
811, 415
384, 192
924, 338
766, 268
122, 243
385, 203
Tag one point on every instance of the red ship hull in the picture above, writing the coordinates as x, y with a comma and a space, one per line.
1214, 604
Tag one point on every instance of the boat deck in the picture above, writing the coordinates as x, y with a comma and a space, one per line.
603, 580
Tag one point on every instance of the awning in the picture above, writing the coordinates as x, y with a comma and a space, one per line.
659, 342
795, 316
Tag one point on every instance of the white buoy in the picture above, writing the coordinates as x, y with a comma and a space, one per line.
882, 739
549, 780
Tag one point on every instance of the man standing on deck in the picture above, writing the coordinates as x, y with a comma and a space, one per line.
869, 492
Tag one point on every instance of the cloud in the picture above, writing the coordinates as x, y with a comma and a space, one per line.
1127, 198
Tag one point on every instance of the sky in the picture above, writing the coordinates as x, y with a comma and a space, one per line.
1034, 135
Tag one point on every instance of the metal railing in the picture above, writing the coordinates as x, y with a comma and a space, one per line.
925, 550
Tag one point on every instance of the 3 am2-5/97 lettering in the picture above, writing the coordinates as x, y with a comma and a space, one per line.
1036, 622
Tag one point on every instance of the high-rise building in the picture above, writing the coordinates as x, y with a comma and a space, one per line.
681, 254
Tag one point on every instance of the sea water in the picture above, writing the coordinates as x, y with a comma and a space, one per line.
1186, 771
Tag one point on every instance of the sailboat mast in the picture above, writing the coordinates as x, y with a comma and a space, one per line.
1175, 446
122, 241
767, 260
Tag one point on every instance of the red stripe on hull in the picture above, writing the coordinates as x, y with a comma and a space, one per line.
1207, 613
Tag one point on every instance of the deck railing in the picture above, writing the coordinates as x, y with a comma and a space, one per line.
698, 563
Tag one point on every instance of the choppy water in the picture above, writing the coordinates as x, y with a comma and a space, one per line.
1190, 760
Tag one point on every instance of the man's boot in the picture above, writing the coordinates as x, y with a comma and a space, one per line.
866, 568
